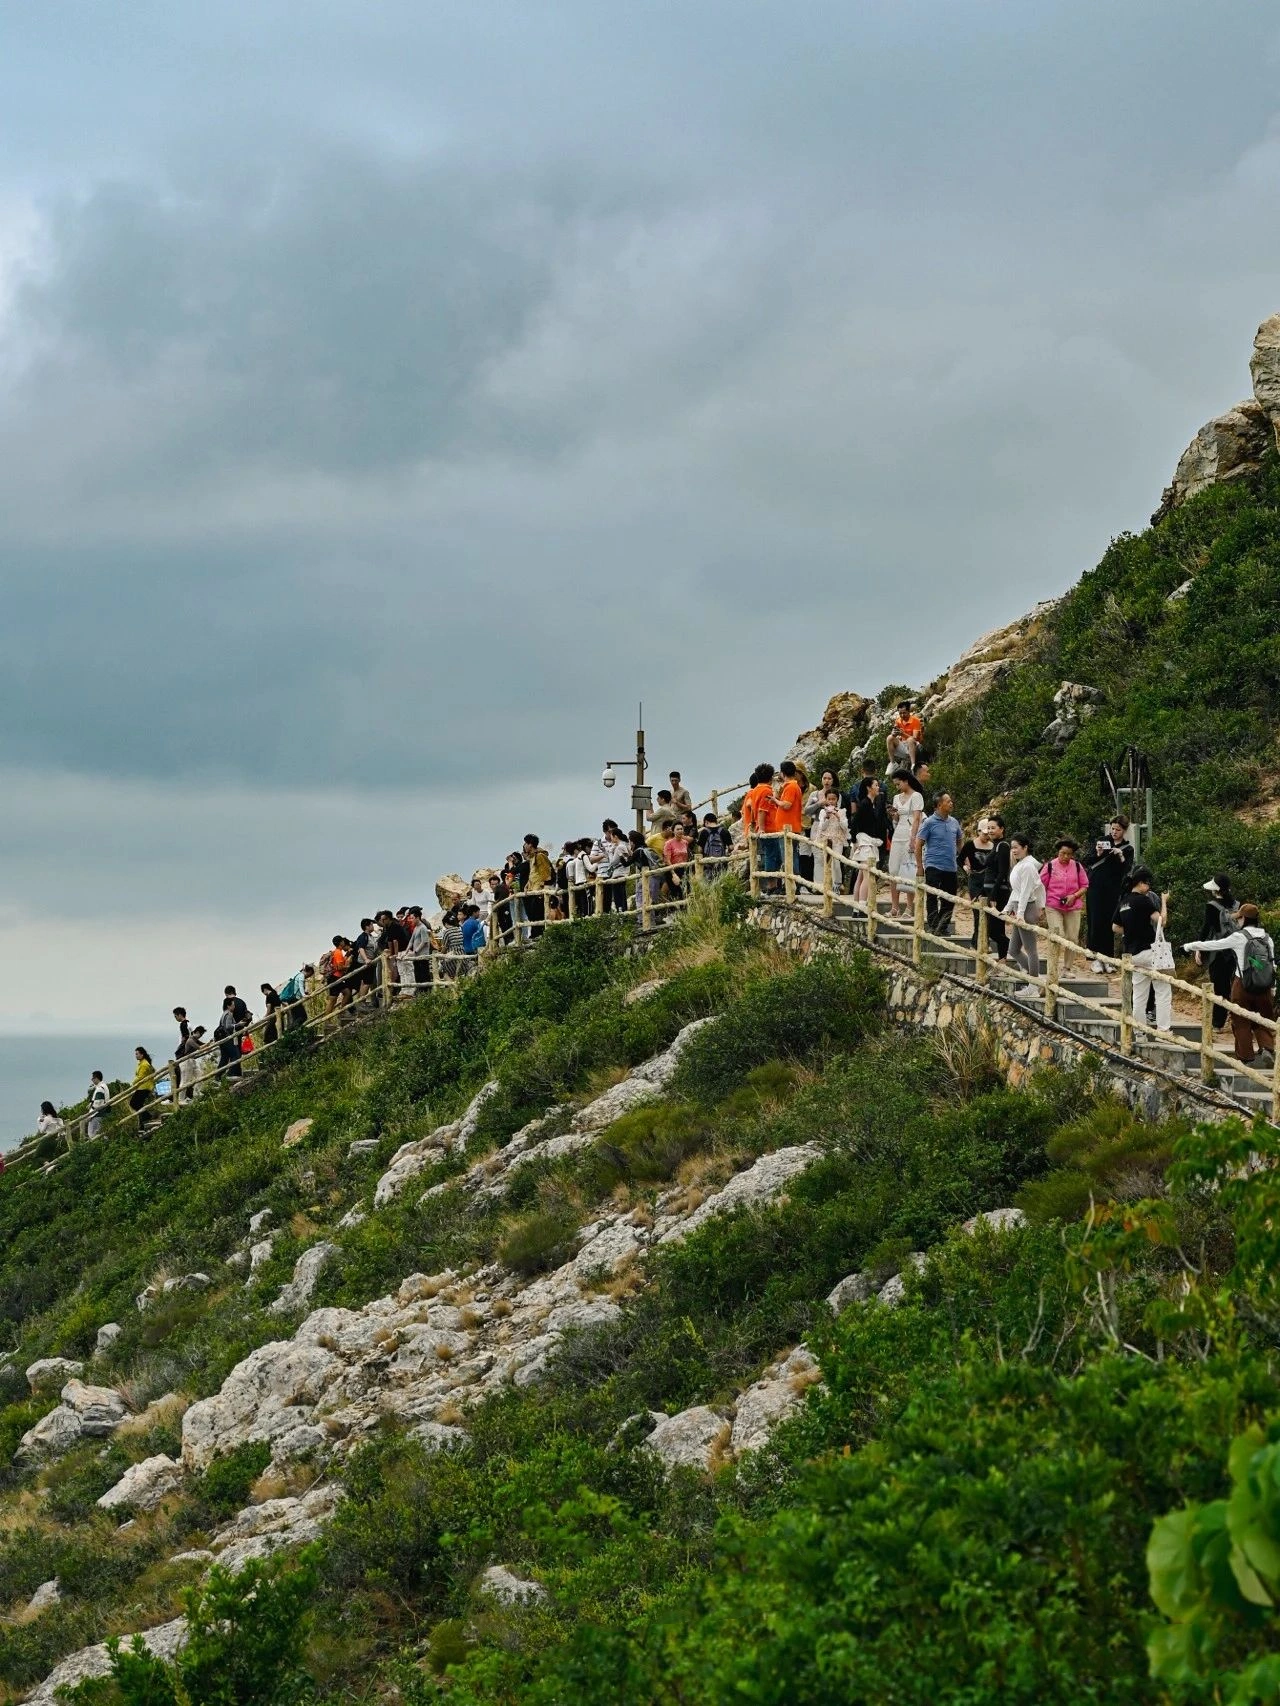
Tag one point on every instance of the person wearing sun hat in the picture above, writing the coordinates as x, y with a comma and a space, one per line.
1219, 920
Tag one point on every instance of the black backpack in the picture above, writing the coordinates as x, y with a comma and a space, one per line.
717, 843
1257, 963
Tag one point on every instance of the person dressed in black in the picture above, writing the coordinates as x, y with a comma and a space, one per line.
229, 1031
393, 942
1219, 920
974, 857
273, 1004
185, 1046
1110, 866
995, 884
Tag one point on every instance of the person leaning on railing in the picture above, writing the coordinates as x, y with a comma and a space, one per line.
1253, 986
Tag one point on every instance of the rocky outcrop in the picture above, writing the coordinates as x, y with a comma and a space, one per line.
689, 1440
165, 1641
996, 1220
990, 658
108, 1333
295, 1132
274, 1525
1264, 370
306, 1271
1073, 705
143, 1485
85, 1412
500, 1584
774, 1398
162, 1288
843, 719
49, 1373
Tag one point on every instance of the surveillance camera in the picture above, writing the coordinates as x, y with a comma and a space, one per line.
608, 778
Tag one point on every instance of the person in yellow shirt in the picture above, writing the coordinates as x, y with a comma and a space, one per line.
144, 1082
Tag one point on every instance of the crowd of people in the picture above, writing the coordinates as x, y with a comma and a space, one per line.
1091, 902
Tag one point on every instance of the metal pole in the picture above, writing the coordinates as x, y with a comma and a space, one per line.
640, 767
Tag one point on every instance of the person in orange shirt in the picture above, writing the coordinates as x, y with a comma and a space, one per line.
758, 813
905, 736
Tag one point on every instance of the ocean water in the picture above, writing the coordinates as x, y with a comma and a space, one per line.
56, 1069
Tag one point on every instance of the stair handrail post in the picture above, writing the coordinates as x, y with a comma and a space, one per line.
788, 863
917, 923
384, 980
1052, 975
753, 865
873, 916
1275, 1073
828, 884
1206, 1038
1126, 1004
984, 941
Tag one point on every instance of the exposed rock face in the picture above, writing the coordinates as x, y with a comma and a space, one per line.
469, 1124
777, 1395
49, 1373
100, 1409
689, 1439
182, 1282
998, 1219
306, 1271
165, 1641
108, 1333
1223, 449
295, 1133
843, 718
1264, 369
451, 889
500, 1584
143, 1485
410, 1160
276, 1523
47, 1594
856, 1288
272, 1390
894, 1291
52, 1436
1074, 704
986, 661
259, 1220
764, 1180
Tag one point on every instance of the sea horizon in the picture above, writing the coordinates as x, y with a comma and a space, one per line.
54, 1066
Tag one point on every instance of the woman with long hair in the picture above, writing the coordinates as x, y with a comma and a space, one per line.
144, 1082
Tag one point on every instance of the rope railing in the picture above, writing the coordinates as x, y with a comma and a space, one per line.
789, 882
651, 893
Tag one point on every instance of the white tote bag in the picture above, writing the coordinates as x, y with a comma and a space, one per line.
1161, 950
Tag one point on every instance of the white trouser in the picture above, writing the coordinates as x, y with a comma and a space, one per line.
1143, 964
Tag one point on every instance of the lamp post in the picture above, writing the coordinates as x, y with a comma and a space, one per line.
641, 796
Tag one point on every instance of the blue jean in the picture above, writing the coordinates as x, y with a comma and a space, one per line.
769, 849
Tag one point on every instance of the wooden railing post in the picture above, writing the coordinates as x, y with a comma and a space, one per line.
387, 988
917, 924
1275, 1075
715, 803
1206, 1038
1126, 1004
599, 895
753, 864
828, 883
1053, 973
788, 863
984, 941
174, 1088
873, 915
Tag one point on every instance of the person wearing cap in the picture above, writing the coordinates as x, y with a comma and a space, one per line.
1253, 1041
975, 856
1219, 921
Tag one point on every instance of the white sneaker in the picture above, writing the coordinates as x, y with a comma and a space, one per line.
1097, 965
1028, 992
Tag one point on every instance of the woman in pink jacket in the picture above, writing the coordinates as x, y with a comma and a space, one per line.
1065, 883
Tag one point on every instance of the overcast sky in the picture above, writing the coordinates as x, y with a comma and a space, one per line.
395, 393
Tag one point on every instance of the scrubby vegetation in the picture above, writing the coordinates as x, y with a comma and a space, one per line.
1049, 1475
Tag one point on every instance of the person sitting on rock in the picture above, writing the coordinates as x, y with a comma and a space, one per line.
906, 733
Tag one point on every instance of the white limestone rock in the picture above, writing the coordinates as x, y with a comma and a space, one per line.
306, 1271
778, 1394
362, 1146
440, 1436
260, 1530
408, 1161
470, 1121
295, 1133
998, 1219
52, 1436
763, 1181
165, 1641
143, 1485
894, 1291
100, 1409
51, 1373
259, 1220
272, 1390
47, 1594
352, 1218
856, 1288
1264, 368
108, 1333
689, 1438
500, 1584
261, 1252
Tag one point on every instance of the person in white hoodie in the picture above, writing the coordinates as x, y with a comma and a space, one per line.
1253, 985
1025, 905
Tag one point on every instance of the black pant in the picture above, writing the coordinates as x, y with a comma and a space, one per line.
615, 897
534, 913
939, 911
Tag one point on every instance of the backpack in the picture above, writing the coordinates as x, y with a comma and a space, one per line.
717, 843
1257, 963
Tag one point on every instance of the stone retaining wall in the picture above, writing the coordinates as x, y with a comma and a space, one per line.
927, 1000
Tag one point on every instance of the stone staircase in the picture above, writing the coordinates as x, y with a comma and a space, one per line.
1179, 1055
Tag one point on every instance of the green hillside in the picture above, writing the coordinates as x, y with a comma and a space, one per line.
1194, 683
958, 1509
